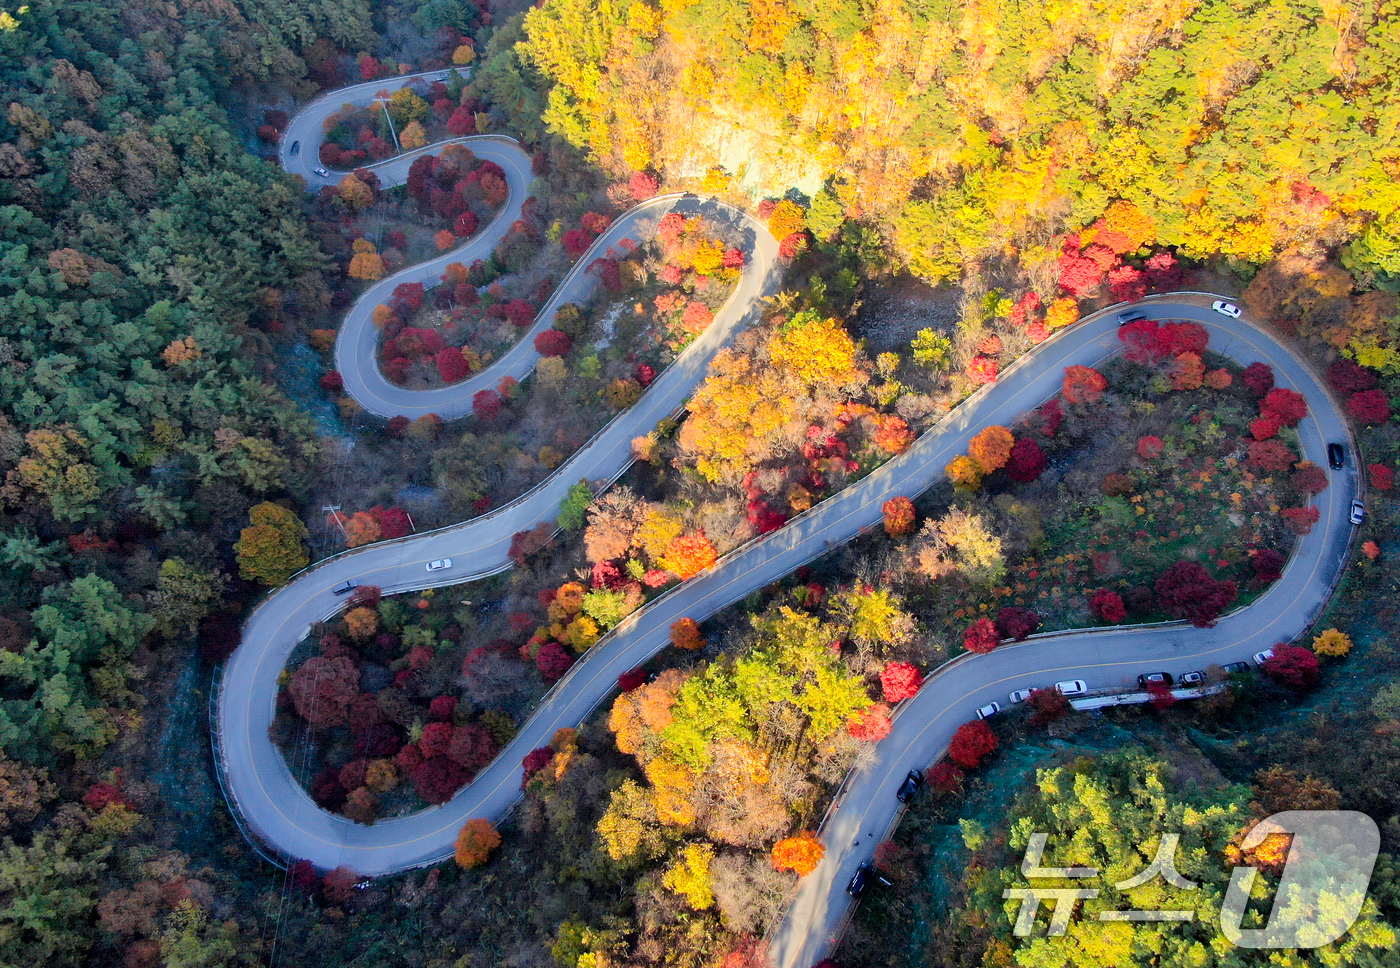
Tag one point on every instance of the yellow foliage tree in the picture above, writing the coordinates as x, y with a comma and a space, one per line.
366, 266
361, 623
413, 136
1332, 643
1061, 313
672, 786
270, 549
463, 55
964, 472
820, 352
786, 218
354, 193
689, 876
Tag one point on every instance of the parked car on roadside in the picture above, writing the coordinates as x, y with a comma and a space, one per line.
1336, 456
989, 710
1226, 309
859, 881
1071, 687
1155, 679
1021, 695
1235, 668
1261, 657
1358, 512
910, 786
1193, 678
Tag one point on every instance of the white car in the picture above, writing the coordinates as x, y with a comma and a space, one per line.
440, 564
989, 710
1071, 687
1358, 512
1226, 309
1020, 695
1261, 657
322, 172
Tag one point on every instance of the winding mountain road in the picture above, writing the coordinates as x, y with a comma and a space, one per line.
264, 792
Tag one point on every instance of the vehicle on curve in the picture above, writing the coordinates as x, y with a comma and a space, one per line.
1021, 695
910, 786
860, 880
345, 587
1193, 678
1234, 668
440, 564
1261, 657
1126, 318
320, 170
1358, 512
1226, 309
1155, 679
1336, 456
295, 149
989, 710
1071, 687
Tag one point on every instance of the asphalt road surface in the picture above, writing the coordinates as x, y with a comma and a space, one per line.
285, 819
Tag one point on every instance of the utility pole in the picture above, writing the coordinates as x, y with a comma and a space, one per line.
410, 522
383, 102
334, 509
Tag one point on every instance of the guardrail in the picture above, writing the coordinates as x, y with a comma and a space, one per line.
216, 745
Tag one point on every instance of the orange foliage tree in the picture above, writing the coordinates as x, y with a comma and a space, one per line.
991, 448
689, 555
1083, 384
477, 839
685, 634
899, 515
892, 434
361, 529
799, 854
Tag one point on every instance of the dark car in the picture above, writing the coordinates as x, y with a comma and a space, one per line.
345, 587
1155, 679
296, 147
1130, 318
859, 881
910, 786
1336, 456
1235, 667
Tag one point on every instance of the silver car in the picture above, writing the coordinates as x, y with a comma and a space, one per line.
322, 172
989, 710
1020, 695
1358, 512
1071, 687
440, 564
1261, 657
